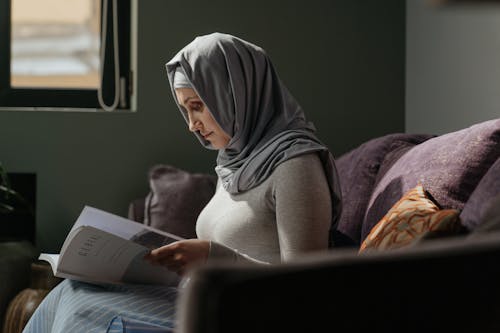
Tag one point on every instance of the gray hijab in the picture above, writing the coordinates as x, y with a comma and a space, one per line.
240, 87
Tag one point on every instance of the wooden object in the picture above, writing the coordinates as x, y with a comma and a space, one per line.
22, 307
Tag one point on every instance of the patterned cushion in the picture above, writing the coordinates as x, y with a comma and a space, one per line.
449, 167
414, 216
357, 170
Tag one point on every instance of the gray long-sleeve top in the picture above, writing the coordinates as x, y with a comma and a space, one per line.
285, 216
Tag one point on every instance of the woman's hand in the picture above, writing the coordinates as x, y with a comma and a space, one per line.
181, 255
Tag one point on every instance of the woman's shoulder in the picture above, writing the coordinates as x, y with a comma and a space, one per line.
305, 167
300, 175
301, 163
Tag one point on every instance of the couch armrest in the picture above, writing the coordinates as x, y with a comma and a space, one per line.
446, 285
15, 260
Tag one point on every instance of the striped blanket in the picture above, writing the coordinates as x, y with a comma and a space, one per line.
80, 307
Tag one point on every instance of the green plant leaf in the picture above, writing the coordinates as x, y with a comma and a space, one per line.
4, 208
11, 200
4, 179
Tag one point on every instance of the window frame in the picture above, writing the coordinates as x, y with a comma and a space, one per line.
79, 99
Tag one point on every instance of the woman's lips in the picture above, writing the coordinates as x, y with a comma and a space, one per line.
205, 136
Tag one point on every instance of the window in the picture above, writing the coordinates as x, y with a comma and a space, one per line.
51, 54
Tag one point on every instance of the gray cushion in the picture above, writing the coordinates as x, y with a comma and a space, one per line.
176, 199
449, 167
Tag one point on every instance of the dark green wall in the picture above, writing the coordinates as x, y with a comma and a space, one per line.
343, 61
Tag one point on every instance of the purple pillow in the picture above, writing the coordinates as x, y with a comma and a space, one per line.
176, 199
490, 218
487, 189
449, 167
397, 150
357, 170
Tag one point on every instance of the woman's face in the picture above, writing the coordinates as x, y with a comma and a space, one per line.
200, 119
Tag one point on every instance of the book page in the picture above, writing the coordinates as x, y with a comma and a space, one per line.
149, 237
52, 259
95, 255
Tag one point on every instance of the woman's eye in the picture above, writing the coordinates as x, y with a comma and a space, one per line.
196, 106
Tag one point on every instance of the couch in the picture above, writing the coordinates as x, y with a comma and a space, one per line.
434, 281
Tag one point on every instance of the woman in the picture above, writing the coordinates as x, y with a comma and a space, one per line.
277, 196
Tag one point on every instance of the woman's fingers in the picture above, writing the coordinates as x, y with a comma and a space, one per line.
164, 251
179, 256
177, 265
169, 257
176, 259
160, 254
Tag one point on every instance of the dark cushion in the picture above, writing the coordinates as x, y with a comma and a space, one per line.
358, 170
485, 192
490, 218
449, 167
397, 150
176, 199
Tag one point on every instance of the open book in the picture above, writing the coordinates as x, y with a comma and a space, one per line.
106, 248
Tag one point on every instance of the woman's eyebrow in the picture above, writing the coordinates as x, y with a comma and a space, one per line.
188, 98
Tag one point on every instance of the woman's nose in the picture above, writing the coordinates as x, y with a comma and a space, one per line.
192, 127
194, 124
